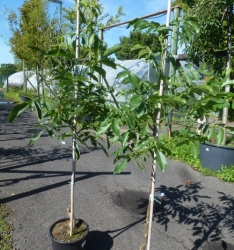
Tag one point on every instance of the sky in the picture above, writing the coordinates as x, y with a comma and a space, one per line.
132, 9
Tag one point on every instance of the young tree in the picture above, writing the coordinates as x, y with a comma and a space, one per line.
213, 44
210, 44
126, 43
31, 28
89, 13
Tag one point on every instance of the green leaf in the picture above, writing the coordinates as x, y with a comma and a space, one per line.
161, 160
122, 74
179, 99
134, 80
135, 101
194, 26
220, 136
38, 109
144, 130
120, 166
195, 150
142, 53
91, 39
50, 132
125, 139
17, 110
100, 70
144, 144
103, 129
231, 82
115, 127
138, 46
108, 63
211, 133
111, 50
35, 137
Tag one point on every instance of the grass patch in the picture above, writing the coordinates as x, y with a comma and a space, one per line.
13, 96
13, 93
6, 229
184, 154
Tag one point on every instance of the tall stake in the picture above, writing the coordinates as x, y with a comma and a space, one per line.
228, 66
174, 47
72, 221
149, 216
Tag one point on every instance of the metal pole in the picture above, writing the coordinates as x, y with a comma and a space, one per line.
59, 2
143, 17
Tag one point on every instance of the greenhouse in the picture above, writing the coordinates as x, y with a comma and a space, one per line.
17, 79
140, 67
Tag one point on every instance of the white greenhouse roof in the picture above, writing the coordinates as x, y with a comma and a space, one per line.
17, 79
139, 67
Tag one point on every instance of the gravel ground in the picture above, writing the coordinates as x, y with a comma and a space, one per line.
34, 180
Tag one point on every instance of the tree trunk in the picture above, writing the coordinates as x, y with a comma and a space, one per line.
72, 221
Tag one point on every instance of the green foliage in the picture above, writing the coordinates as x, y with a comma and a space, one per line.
7, 69
90, 10
227, 174
6, 229
126, 43
96, 117
68, 78
210, 44
185, 4
185, 153
31, 28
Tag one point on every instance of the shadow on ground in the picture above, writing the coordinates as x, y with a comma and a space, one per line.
185, 204
98, 240
209, 221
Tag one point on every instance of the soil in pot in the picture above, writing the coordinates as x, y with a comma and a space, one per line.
60, 231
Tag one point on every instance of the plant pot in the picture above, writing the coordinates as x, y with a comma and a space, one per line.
213, 157
80, 244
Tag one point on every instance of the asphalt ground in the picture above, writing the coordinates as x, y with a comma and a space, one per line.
197, 213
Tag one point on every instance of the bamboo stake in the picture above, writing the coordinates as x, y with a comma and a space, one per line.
228, 66
72, 221
155, 132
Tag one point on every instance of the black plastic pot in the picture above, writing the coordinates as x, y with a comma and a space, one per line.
80, 244
214, 157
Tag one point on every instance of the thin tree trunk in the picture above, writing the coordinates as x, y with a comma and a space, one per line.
25, 77
72, 220
149, 216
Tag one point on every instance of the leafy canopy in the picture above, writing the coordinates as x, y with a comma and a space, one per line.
126, 43
32, 28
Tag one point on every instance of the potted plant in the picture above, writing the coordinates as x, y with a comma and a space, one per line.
74, 110
217, 149
79, 111
212, 48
